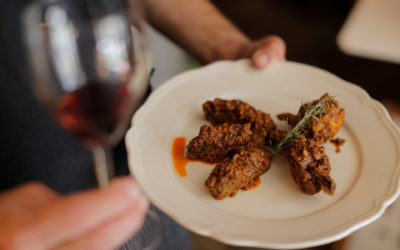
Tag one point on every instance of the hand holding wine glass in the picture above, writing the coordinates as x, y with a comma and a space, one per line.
88, 59
36, 217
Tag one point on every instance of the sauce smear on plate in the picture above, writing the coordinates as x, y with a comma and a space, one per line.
178, 156
337, 142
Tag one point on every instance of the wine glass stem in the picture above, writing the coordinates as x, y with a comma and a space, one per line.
104, 166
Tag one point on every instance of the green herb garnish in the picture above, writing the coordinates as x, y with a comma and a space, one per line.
313, 112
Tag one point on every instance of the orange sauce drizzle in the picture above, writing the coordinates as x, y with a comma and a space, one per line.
178, 156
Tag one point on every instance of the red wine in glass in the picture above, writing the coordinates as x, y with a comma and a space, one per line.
93, 112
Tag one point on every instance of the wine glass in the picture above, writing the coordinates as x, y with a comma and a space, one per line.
89, 64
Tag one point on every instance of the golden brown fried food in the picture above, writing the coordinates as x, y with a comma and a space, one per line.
236, 111
238, 141
326, 126
309, 166
215, 143
239, 172
315, 123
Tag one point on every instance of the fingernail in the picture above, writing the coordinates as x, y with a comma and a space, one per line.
144, 202
139, 195
262, 60
128, 186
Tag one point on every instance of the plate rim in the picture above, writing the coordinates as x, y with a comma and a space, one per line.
384, 200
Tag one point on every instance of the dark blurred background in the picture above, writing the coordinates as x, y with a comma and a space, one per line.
309, 28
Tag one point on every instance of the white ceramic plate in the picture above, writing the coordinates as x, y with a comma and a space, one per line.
275, 214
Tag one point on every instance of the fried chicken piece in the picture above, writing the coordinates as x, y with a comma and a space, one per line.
239, 172
236, 111
324, 128
215, 143
309, 166
308, 162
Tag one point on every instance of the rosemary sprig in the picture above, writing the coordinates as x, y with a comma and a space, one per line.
313, 112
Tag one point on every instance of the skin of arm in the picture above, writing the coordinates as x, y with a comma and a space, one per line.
200, 28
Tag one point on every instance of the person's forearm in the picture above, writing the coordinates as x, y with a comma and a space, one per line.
198, 27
